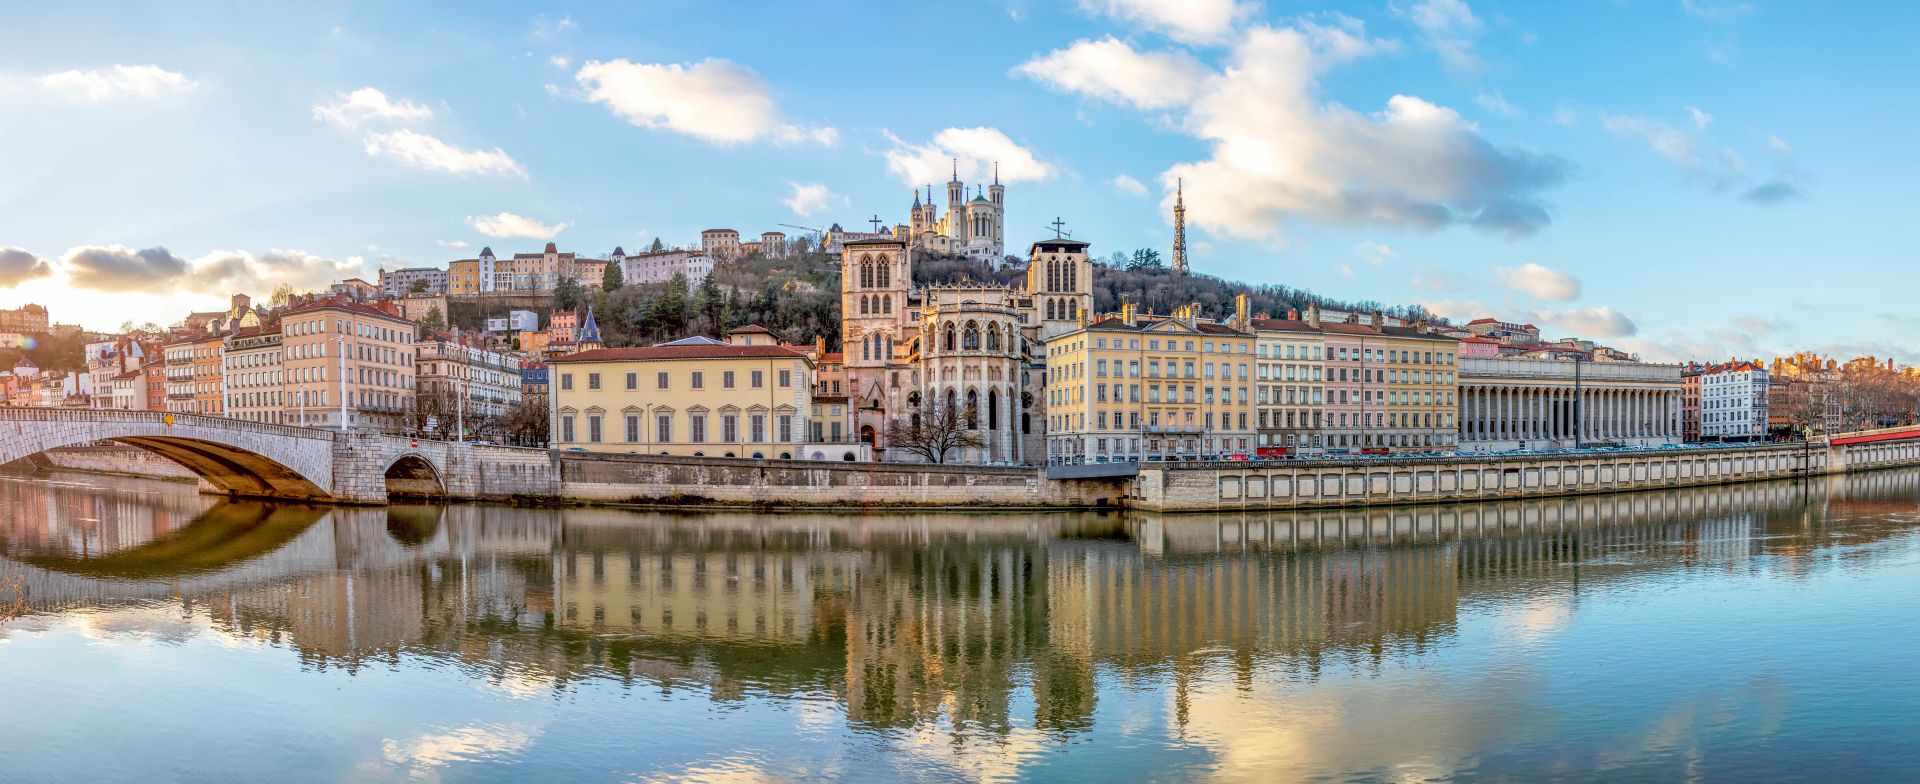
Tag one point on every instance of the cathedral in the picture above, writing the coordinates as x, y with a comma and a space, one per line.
973, 228
974, 349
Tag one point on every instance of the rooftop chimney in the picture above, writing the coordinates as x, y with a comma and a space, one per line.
1373, 319
1240, 318
1313, 314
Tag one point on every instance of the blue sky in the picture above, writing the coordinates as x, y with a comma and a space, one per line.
1687, 178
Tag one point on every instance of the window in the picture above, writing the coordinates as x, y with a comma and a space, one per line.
593, 429
633, 380
566, 429
663, 428
633, 429
726, 380
729, 428
759, 424
566, 382
697, 428
786, 427
593, 380
759, 379
786, 379
660, 380
699, 380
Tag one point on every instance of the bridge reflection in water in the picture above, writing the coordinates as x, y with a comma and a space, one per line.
908, 619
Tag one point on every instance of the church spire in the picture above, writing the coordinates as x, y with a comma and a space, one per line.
996, 172
956, 170
1179, 228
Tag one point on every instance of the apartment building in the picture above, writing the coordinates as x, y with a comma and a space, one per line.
694, 396
456, 379
194, 382
1733, 401
1137, 387
1289, 395
253, 375
1388, 388
348, 365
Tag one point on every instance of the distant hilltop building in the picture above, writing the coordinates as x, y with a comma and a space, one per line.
660, 266
29, 320
525, 272
973, 228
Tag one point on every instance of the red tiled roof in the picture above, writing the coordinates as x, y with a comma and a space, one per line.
750, 329
1484, 321
338, 303
679, 352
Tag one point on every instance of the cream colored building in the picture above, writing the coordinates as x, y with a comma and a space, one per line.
348, 364
1290, 392
1140, 387
1514, 403
694, 396
253, 376
720, 244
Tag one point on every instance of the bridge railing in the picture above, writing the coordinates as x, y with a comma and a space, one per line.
23, 414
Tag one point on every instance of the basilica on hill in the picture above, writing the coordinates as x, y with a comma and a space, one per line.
974, 229
971, 348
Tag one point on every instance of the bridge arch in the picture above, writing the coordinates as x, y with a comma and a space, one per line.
237, 457
412, 475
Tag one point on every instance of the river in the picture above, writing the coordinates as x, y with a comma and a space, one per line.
1740, 633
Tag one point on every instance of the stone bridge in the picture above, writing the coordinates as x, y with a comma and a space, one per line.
253, 459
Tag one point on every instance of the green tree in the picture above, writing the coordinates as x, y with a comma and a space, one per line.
1145, 259
711, 305
612, 280
657, 246
434, 320
417, 287
568, 294
670, 310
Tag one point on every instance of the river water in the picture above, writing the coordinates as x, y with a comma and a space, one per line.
1755, 632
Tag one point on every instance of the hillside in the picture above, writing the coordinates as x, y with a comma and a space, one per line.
798, 297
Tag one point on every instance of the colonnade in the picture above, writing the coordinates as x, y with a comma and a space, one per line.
1548, 413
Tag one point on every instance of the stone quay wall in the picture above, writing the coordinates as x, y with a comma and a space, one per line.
1319, 484
115, 459
658, 479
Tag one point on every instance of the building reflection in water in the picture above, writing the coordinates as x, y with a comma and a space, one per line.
909, 619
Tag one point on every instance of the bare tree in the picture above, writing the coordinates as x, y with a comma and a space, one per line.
13, 598
932, 430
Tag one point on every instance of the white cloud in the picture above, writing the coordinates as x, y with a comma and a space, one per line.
1455, 310
1127, 185
17, 265
1192, 21
102, 84
1658, 135
117, 268
507, 224
559, 62
348, 110
1496, 103
1564, 116
454, 244
808, 199
977, 150
1110, 70
1700, 118
426, 152
1277, 153
1540, 282
713, 100
1345, 270
1450, 29
1595, 322
1434, 281
1777, 145
1716, 11
1374, 253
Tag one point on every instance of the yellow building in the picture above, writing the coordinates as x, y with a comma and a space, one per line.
694, 396
1142, 387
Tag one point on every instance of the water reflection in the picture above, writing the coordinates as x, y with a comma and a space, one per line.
982, 641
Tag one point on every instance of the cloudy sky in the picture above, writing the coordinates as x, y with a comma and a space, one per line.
1687, 178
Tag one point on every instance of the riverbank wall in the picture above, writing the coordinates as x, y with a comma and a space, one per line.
655, 479
114, 459
1308, 484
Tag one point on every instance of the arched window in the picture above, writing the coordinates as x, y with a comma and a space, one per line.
1073, 309
993, 338
993, 409
947, 343
866, 274
863, 305
886, 274
886, 304
950, 413
1049, 310
973, 409
866, 349
1072, 276
1053, 277
970, 339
